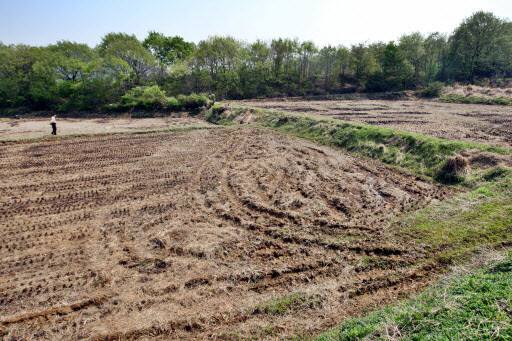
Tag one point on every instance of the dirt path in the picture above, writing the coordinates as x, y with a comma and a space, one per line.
198, 235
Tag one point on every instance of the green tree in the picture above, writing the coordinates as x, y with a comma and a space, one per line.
284, 53
168, 49
119, 48
256, 72
397, 71
17, 79
436, 46
412, 48
343, 62
70, 61
220, 56
307, 52
327, 60
480, 47
363, 63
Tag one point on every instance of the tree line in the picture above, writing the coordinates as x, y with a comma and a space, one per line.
73, 76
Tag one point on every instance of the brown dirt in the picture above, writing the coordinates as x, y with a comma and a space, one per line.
33, 127
187, 236
483, 124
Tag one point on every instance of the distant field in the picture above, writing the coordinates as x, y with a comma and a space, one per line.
37, 127
214, 232
487, 125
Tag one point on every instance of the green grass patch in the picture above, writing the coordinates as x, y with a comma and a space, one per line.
476, 305
289, 304
461, 224
469, 306
475, 100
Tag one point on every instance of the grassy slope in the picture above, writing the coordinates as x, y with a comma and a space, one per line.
470, 306
475, 100
455, 227
476, 305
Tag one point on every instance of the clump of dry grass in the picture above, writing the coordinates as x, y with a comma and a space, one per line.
454, 170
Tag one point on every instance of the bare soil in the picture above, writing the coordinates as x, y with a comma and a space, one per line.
489, 125
34, 127
198, 235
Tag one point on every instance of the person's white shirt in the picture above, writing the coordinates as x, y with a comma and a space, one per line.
54, 120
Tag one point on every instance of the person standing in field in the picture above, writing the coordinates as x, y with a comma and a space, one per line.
53, 123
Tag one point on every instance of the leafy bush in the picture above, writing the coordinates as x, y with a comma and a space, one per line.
432, 90
139, 114
193, 101
171, 103
154, 93
137, 92
218, 109
127, 99
153, 98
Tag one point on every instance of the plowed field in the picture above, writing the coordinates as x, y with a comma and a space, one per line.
222, 233
37, 127
484, 124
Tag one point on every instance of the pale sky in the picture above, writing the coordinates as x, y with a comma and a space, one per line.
42, 22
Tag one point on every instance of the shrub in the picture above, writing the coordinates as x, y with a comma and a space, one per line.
154, 93
127, 99
143, 97
112, 107
171, 103
454, 170
193, 101
148, 104
500, 82
502, 101
433, 90
218, 109
482, 81
450, 82
137, 92
153, 98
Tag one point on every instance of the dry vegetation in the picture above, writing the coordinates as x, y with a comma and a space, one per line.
223, 233
478, 91
487, 125
36, 127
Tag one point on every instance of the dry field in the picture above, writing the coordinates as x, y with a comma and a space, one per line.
222, 234
37, 127
487, 125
